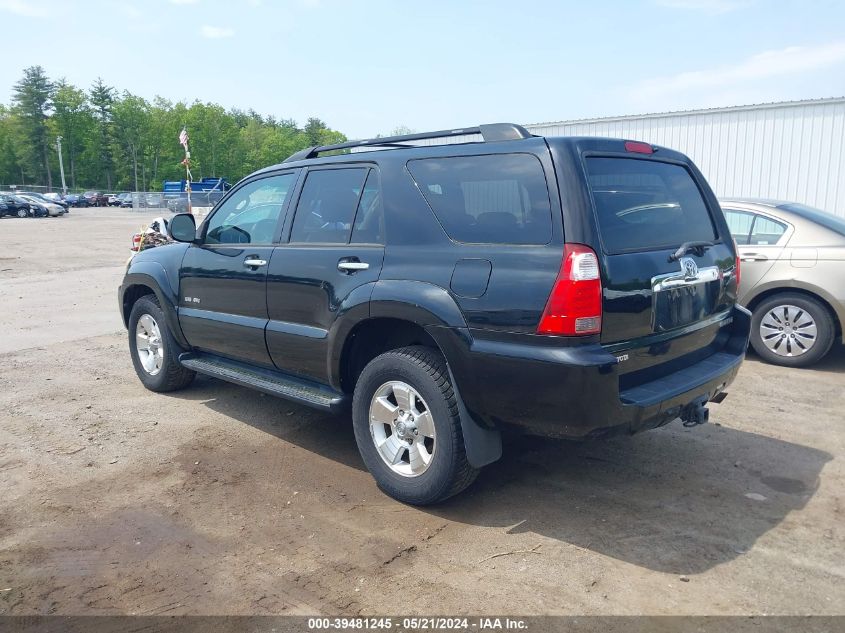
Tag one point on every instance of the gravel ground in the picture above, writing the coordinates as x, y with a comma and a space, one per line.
218, 500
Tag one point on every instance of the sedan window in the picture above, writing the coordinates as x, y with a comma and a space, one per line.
766, 231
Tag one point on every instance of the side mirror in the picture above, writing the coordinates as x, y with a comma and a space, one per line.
183, 227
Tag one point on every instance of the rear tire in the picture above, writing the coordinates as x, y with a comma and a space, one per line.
421, 372
779, 341
155, 353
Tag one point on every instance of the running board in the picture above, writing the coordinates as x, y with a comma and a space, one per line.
269, 381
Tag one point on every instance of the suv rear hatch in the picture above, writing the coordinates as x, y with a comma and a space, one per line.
668, 262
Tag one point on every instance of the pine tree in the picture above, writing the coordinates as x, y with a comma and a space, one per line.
102, 99
32, 97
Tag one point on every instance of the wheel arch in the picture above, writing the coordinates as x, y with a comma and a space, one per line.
375, 335
153, 281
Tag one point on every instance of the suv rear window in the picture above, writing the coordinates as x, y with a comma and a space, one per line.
494, 199
645, 205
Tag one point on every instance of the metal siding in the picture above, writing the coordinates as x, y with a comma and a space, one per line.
790, 151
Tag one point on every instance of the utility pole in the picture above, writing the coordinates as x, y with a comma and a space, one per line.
61, 164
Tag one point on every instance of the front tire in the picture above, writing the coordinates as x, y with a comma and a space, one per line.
155, 353
407, 427
792, 330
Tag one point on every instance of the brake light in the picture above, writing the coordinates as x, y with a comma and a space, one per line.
736, 274
136, 242
638, 147
574, 306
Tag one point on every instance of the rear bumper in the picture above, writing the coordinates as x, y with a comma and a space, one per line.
575, 392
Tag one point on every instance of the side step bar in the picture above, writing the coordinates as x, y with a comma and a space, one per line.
269, 381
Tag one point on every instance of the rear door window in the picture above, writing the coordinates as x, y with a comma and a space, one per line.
646, 205
494, 199
327, 205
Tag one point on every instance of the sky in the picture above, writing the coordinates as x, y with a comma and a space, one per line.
367, 67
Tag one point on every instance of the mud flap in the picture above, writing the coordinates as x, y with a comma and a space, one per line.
483, 445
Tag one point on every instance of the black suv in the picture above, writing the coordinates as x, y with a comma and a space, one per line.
572, 287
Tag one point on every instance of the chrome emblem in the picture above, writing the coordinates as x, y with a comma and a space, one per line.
689, 268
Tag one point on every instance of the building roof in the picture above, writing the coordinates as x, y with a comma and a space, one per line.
654, 115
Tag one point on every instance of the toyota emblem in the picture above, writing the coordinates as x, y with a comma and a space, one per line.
689, 268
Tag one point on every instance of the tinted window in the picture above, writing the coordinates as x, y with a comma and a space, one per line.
766, 231
487, 199
369, 219
739, 223
327, 206
644, 204
250, 214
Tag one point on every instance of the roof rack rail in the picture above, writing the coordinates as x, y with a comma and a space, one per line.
489, 132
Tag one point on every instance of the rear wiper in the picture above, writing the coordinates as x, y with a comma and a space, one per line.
697, 247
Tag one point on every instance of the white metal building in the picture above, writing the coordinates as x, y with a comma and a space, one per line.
788, 151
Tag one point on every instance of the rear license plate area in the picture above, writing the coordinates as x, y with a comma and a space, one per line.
682, 305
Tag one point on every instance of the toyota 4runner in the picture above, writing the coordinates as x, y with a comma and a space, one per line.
572, 287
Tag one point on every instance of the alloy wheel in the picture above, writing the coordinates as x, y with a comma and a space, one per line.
402, 428
149, 344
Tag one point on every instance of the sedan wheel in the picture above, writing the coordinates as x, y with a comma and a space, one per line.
22, 213
792, 329
788, 330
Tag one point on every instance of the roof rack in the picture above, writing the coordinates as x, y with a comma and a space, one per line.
489, 132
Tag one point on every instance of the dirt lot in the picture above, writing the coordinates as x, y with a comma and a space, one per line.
218, 500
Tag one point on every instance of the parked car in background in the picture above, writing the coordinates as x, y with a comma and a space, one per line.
54, 196
14, 206
76, 200
96, 198
793, 277
51, 208
44, 198
125, 200
34, 208
154, 200
114, 200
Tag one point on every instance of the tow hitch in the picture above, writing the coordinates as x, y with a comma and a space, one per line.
696, 413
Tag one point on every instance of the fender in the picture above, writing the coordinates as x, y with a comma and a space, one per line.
354, 309
417, 301
798, 284
146, 272
433, 308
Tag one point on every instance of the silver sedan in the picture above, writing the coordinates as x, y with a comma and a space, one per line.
792, 277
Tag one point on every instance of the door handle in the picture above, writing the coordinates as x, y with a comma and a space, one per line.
347, 266
753, 257
254, 262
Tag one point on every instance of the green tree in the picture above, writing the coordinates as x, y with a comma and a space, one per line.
73, 121
10, 171
318, 133
32, 96
102, 99
131, 118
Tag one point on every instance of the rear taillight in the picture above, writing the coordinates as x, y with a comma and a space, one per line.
574, 307
136, 242
736, 274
